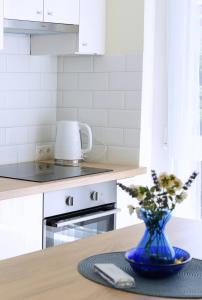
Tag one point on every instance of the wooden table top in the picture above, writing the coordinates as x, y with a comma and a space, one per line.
52, 274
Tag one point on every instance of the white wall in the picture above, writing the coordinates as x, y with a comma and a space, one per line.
125, 25
28, 93
105, 92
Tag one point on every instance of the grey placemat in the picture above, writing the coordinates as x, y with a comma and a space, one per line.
185, 284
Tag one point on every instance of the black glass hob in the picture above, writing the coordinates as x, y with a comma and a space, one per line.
44, 172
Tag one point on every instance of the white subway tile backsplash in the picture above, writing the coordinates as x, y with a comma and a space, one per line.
60, 63
124, 119
26, 117
67, 81
134, 62
123, 155
2, 136
16, 44
42, 99
113, 63
124, 81
26, 152
93, 81
16, 135
59, 99
2, 63
41, 134
132, 137
108, 100
80, 99
20, 81
8, 155
98, 153
34, 64
103, 91
78, 64
93, 116
133, 100
49, 81
44, 64
67, 114
28, 99
17, 63
108, 136
15, 99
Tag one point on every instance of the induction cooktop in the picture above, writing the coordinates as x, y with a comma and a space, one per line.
44, 172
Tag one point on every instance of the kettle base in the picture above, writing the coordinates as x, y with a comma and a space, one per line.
64, 162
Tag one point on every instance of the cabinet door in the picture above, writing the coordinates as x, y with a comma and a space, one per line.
92, 27
61, 11
23, 9
1, 24
20, 225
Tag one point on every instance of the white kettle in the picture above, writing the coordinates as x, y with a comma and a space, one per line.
68, 147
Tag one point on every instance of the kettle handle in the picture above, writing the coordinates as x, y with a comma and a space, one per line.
88, 130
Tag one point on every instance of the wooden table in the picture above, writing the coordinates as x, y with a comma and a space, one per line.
52, 274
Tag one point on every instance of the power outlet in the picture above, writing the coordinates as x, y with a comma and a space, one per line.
44, 152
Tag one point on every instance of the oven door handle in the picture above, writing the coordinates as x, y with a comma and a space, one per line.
86, 218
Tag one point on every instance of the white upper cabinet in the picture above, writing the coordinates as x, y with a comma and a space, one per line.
92, 27
89, 40
1, 24
24, 9
61, 11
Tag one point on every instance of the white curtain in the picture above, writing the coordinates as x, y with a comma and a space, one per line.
170, 98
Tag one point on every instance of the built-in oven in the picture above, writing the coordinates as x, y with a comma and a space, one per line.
76, 213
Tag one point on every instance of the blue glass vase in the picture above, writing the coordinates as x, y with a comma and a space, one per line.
154, 247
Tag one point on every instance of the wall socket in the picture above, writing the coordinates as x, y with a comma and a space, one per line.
44, 152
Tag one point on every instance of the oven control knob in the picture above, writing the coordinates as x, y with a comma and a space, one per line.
70, 201
94, 196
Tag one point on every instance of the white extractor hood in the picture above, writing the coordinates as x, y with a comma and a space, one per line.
32, 27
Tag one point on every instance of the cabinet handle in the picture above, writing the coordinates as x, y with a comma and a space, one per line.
50, 13
38, 12
84, 44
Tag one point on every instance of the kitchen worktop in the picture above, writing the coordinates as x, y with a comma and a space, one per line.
52, 274
10, 188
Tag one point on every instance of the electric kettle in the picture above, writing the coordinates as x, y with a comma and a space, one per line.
68, 146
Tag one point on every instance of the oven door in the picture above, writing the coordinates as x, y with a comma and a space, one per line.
74, 226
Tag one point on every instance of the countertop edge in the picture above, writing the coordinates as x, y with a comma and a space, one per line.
17, 188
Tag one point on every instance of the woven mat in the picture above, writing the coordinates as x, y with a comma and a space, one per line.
185, 284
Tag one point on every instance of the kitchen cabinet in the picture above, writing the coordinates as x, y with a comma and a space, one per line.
1, 24
61, 11
92, 27
21, 225
89, 40
23, 10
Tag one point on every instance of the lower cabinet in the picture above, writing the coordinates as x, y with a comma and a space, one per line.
21, 225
